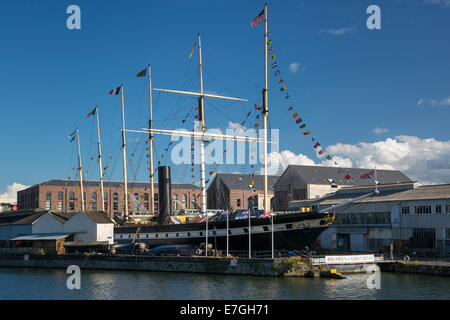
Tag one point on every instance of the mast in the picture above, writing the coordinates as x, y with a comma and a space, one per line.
201, 116
265, 115
81, 172
100, 161
124, 159
151, 137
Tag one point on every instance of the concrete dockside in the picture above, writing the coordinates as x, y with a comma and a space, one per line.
418, 267
207, 265
278, 267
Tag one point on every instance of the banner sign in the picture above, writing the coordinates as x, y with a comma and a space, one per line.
367, 258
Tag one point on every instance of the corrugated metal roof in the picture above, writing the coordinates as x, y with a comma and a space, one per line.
21, 218
42, 236
358, 176
432, 192
62, 217
242, 181
98, 216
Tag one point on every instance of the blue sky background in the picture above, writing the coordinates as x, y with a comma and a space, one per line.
350, 80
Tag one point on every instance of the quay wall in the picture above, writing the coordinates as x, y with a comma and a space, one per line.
210, 265
417, 267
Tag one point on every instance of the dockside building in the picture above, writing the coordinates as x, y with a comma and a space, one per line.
65, 196
411, 217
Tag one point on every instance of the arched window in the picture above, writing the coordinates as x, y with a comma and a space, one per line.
184, 200
115, 196
60, 195
105, 196
48, 196
71, 195
94, 196
136, 203
156, 197
175, 202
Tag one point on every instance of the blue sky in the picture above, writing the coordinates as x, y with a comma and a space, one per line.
350, 80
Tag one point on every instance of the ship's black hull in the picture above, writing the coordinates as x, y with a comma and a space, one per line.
291, 232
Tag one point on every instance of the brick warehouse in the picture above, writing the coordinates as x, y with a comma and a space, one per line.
57, 196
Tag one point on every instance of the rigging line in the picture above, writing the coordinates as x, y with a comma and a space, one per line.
112, 125
218, 110
208, 73
139, 161
180, 99
89, 164
116, 158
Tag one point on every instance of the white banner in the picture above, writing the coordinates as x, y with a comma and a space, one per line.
367, 258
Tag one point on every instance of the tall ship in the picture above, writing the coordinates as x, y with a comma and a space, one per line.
270, 231
267, 231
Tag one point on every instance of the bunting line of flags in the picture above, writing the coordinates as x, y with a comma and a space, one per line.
291, 108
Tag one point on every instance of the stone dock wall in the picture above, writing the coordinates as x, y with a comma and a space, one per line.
209, 265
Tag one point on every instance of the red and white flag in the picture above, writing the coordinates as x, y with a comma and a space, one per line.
258, 19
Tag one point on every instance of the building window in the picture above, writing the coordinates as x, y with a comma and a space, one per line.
105, 196
184, 201
405, 210
145, 196
438, 209
175, 202
60, 196
422, 209
136, 202
94, 206
238, 202
447, 208
48, 205
71, 205
71, 195
115, 206
59, 206
115, 196
193, 200
94, 196
48, 196
156, 197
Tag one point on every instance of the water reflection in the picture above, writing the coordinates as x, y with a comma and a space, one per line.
104, 285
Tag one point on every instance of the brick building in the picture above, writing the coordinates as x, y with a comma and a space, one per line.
232, 191
64, 196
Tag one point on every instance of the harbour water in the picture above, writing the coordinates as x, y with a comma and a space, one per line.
47, 284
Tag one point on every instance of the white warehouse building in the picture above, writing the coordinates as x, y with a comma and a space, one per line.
409, 216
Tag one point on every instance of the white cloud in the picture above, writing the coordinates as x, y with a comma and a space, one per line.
443, 3
434, 102
425, 160
11, 191
294, 67
380, 130
336, 32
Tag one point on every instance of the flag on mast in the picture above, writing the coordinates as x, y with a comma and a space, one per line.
72, 135
258, 19
92, 113
115, 91
193, 48
142, 73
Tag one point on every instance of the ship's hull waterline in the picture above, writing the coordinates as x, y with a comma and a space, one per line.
294, 231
